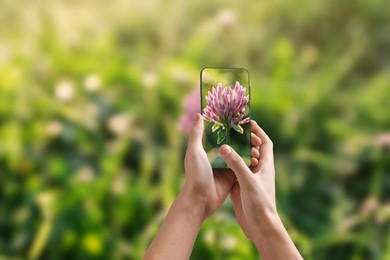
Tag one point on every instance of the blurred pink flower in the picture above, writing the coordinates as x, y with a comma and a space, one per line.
191, 106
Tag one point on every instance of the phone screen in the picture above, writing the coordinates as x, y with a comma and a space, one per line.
225, 103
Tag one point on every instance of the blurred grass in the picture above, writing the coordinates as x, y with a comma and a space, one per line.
91, 93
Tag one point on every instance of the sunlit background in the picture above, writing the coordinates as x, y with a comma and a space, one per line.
94, 111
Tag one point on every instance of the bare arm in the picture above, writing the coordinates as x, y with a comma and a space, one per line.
177, 234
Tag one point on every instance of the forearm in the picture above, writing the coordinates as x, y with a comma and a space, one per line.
273, 241
177, 234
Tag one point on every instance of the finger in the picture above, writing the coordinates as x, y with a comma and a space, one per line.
255, 152
236, 163
253, 125
196, 133
254, 162
266, 148
255, 140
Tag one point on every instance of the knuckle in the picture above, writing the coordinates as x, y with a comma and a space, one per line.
235, 158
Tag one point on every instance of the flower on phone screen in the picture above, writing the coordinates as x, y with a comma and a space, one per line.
226, 109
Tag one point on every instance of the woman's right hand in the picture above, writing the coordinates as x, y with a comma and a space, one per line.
253, 198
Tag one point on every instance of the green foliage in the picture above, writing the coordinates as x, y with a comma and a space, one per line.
221, 135
90, 92
215, 127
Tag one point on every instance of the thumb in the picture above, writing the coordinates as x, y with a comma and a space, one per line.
236, 163
196, 133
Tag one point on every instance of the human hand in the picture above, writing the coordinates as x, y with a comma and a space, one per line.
253, 196
204, 189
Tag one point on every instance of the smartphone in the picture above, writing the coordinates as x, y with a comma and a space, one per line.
225, 106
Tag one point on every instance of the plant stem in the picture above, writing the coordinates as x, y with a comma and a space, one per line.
228, 135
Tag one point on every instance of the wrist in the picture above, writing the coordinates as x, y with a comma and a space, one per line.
191, 206
270, 230
273, 240
268, 225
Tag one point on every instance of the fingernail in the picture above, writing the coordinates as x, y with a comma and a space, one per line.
225, 150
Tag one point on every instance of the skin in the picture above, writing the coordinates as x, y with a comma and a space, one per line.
252, 191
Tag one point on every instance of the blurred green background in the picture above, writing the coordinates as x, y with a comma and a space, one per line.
91, 96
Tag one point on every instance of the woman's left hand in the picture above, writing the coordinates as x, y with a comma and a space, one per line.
204, 189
